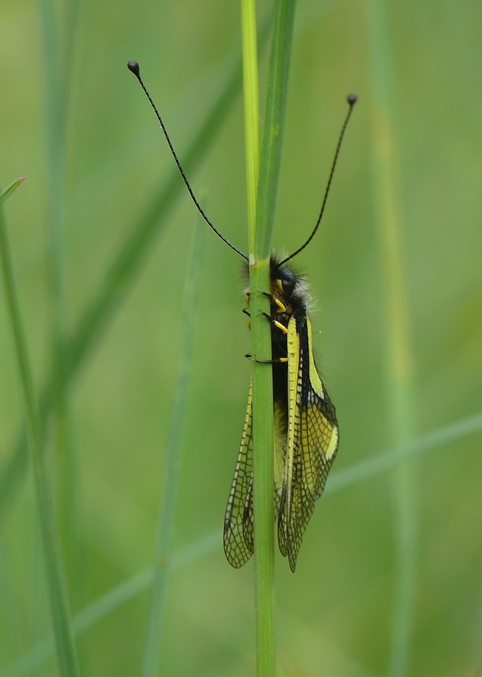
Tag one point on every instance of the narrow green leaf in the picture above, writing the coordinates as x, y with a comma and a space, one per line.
8, 191
251, 110
398, 455
398, 349
59, 32
49, 535
172, 471
260, 239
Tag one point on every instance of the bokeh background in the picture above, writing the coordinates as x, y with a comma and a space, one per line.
88, 188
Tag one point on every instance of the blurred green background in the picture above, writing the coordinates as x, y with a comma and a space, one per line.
80, 204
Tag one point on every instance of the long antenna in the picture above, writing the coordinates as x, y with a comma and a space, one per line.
133, 66
351, 99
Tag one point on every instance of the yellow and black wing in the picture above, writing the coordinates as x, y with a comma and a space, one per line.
311, 444
239, 518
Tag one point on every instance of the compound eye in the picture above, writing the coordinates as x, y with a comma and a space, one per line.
288, 280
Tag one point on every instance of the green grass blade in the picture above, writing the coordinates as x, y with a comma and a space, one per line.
59, 31
112, 600
8, 191
263, 431
251, 110
274, 126
261, 378
49, 535
152, 650
399, 359
398, 455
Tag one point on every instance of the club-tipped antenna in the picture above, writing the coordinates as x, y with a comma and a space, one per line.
351, 99
133, 66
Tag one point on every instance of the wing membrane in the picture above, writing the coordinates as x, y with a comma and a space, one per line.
312, 441
239, 519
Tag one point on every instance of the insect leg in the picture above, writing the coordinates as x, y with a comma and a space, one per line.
280, 360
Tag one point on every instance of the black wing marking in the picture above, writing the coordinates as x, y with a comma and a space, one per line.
312, 441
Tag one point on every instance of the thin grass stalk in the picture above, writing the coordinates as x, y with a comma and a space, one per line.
399, 359
54, 570
401, 454
261, 379
251, 110
259, 262
11, 189
56, 120
140, 582
58, 28
172, 472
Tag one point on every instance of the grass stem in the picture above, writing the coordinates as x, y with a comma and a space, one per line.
59, 32
399, 361
260, 238
172, 471
54, 570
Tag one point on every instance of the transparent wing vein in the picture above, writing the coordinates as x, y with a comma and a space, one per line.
239, 519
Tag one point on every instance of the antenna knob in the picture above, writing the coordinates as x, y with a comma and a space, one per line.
133, 66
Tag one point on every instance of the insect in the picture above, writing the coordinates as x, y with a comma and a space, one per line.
306, 428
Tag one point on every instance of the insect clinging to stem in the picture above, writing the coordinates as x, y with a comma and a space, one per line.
306, 428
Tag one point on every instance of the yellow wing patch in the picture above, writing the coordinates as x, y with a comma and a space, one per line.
312, 441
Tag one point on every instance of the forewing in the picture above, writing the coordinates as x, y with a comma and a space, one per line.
319, 425
239, 520
312, 440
